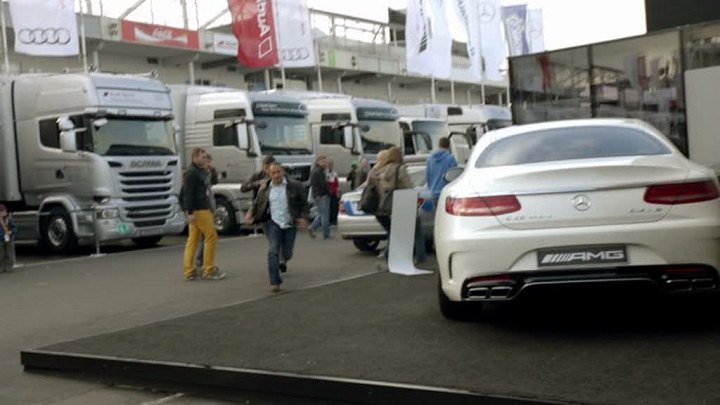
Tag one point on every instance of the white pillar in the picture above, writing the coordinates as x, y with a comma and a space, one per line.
319, 70
390, 91
452, 91
267, 79
432, 90
191, 72
339, 84
469, 101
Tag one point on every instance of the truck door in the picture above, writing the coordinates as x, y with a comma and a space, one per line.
233, 158
47, 169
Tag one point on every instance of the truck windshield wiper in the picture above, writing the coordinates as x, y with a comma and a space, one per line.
286, 149
117, 149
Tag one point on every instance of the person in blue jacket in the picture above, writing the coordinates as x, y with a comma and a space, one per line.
438, 164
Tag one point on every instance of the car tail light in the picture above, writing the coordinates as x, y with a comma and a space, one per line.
482, 206
420, 202
681, 193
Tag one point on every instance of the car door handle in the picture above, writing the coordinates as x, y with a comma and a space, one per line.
59, 174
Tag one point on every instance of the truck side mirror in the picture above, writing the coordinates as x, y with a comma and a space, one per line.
243, 137
261, 124
68, 141
364, 127
348, 141
99, 123
68, 137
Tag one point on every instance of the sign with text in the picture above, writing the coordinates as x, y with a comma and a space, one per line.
159, 35
225, 44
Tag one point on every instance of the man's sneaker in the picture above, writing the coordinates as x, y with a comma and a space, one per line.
312, 233
214, 275
191, 277
275, 288
283, 267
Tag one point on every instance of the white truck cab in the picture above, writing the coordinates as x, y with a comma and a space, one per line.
221, 121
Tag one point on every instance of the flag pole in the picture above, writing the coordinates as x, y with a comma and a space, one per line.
4, 39
83, 42
480, 55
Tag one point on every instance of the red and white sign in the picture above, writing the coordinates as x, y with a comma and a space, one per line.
159, 35
253, 24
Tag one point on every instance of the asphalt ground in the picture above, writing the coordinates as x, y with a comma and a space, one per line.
597, 347
60, 298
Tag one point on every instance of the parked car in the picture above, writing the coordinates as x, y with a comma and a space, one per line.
567, 203
365, 231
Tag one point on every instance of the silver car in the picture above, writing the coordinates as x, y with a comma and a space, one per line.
365, 231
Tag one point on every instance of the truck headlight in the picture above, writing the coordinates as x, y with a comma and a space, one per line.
108, 213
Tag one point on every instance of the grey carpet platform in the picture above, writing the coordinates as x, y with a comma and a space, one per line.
381, 339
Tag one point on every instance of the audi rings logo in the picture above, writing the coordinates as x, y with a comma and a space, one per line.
295, 54
44, 36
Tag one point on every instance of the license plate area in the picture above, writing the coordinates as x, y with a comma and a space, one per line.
582, 255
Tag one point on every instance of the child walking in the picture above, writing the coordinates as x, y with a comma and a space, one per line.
7, 240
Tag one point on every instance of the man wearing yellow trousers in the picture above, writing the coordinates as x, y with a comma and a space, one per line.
196, 197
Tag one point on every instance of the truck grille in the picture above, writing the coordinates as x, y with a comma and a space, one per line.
148, 194
299, 173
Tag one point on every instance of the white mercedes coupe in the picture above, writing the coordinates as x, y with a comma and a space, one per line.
575, 202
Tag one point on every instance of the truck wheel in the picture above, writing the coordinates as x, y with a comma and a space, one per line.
225, 219
366, 245
147, 241
57, 233
457, 311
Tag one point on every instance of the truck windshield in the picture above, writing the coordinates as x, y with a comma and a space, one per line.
382, 135
435, 129
132, 136
284, 135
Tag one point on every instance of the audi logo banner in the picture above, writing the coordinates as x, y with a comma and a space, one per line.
45, 27
296, 41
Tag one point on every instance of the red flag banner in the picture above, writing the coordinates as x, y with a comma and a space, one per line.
254, 27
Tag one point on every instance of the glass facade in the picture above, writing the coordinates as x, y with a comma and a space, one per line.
639, 77
551, 86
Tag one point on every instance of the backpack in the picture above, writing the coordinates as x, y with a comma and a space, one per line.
370, 198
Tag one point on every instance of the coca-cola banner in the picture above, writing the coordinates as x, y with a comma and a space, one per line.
254, 27
159, 35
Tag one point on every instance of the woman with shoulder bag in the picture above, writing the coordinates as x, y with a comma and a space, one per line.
392, 175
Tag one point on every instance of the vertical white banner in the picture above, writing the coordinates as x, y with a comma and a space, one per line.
45, 27
428, 43
294, 33
467, 13
492, 47
534, 31
441, 40
418, 35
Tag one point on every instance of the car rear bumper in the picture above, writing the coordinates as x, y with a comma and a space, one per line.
360, 227
663, 279
502, 252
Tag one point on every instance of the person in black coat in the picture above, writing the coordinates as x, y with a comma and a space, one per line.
282, 205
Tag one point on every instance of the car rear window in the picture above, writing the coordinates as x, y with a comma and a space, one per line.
569, 144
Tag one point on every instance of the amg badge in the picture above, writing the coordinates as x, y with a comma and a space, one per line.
582, 255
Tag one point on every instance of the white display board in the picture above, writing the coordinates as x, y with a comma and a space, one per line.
402, 234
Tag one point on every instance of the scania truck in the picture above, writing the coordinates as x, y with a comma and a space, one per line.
87, 158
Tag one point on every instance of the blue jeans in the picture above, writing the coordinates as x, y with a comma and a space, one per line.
281, 243
323, 216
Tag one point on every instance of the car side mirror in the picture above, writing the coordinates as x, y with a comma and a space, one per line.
453, 174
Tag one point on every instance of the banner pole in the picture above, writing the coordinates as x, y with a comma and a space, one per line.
83, 41
432, 89
4, 39
317, 61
